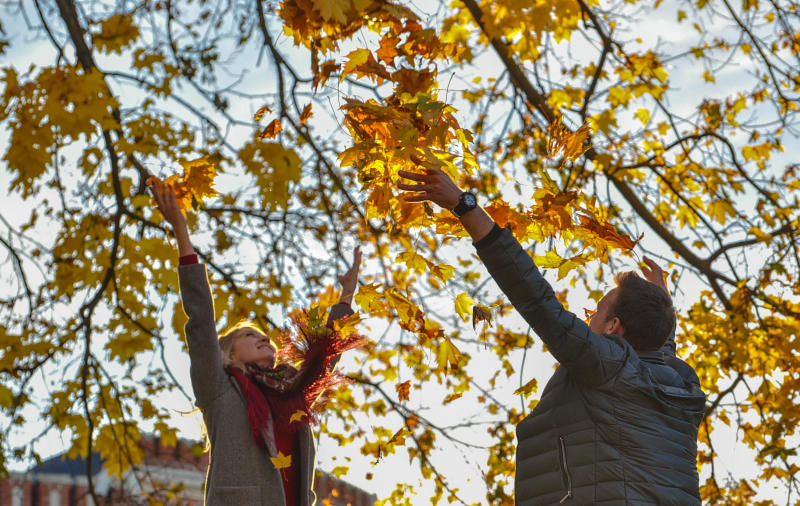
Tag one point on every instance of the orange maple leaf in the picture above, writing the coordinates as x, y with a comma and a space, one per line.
608, 233
402, 390
271, 131
481, 314
305, 114
388, 49
562, 139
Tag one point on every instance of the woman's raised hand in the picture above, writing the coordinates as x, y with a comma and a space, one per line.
168, 205
349, 280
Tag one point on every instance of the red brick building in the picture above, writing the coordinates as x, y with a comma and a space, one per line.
169, 475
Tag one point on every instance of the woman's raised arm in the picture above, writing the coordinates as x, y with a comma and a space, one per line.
207, 374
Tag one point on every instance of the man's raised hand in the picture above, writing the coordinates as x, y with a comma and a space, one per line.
434, 186
653, 273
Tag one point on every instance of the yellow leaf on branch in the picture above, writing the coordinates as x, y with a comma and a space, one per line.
116, 32
464, 304
447, 356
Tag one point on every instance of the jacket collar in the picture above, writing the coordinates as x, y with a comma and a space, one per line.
652, 356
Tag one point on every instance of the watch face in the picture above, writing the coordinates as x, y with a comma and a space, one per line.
470, 200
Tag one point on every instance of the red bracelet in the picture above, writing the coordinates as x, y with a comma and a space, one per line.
188, 259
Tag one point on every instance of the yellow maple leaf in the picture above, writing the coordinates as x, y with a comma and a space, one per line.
464, 304
198, 177
354, 59
297, 416
447, 356
527, 389
116, 32
346, 326
281, 461
194, 185
332, 9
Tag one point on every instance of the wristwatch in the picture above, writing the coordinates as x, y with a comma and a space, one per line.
466, 203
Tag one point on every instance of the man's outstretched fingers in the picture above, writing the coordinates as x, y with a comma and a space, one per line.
412, 187
417, 198
414, 176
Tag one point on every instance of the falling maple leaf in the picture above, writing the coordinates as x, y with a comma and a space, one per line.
305, 114
608, 233
261, 112
481, 314
562, 139
402, 390
281, 461
297, 416
527, 389
271, 130
450, 398
399, 437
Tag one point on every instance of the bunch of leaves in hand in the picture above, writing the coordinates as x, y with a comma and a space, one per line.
194, 185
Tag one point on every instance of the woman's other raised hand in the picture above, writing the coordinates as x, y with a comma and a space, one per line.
349, 280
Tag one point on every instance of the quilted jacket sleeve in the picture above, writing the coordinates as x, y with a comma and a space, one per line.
591, 358
206, 372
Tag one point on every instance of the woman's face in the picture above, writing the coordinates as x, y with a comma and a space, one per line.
250, 345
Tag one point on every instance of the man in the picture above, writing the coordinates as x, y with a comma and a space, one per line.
617, 423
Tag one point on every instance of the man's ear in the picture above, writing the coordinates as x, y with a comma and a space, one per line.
615, 327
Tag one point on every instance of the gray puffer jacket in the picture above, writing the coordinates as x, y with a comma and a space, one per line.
613, 425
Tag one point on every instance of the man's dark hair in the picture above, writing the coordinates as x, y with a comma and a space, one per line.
645, 311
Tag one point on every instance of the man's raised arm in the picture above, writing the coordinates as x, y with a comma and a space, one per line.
592, 357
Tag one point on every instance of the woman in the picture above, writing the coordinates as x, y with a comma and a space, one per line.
257, 414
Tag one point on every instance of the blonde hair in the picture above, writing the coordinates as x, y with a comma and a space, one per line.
227, 338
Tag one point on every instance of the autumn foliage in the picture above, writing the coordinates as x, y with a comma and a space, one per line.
283, 125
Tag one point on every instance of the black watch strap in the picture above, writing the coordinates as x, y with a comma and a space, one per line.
466, 202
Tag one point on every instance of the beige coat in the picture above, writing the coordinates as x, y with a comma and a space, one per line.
239, 473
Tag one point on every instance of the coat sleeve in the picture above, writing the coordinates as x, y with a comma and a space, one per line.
591, 358
206, 372
337, 312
